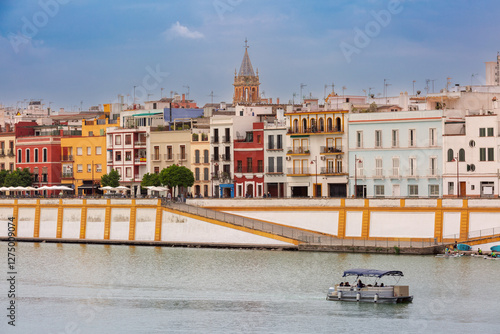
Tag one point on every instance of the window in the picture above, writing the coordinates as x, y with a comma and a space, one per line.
183, 152
360, 170
156, 154
433, 190
450, 155
28, 155
118, 140
118, 156
197, 156
89, 168
19, 156
413, 167
279, 164
482, 154
119, 171
482, 132
260, 166
239, 166
279, 142
359, 139
197, 174
451, 188
490, 132
432, 137
395, 138
270, 164
11, 166
461, 155
378, 167
205, 174
128, 156
128, 172
169, 153
89, 150
249, 165
491, 154
413, 190
205, 156
270, 142
128, 139
98, 168
411, 138
79, 168
79, 151
98, 150
36, 155
395, 167
378, 138
44, 155
433, 166
379, 190
157, 170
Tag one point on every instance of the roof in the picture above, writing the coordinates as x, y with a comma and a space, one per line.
148, 114
372, 273
246, 68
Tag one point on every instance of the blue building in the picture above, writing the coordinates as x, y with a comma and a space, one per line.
396, 154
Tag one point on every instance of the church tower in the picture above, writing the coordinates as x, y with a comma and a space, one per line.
246, 82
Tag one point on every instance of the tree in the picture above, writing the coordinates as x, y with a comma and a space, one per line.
150, 180
3, 175
18, 178
177, 176
111, 179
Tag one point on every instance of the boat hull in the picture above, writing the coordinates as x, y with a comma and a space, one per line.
386, 300
379, 295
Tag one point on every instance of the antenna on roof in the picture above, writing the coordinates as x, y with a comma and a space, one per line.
302, 86
187, 86
212, 96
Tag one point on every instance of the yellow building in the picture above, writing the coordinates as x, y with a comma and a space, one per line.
7, 149
84, 157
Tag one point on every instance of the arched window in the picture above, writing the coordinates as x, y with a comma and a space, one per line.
295, 125
28, 155
329, 125
338, 124
197, 156
45, 156
461, 155
313, 125
205, 156
450, 154
304, 125
321, 125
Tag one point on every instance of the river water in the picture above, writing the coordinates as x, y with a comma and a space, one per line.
72, 288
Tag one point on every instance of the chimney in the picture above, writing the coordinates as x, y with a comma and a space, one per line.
7, 127
271, 100
277, 100
183, 97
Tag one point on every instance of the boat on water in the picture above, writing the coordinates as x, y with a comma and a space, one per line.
376, 292
449, 255
464, 247
495, 248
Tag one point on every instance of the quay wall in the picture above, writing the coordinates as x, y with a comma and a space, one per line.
145, 220
110, 220
441, 219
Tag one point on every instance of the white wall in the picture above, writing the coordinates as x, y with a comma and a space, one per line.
402, 224
120, 224
145, 224
94, 228
451, 224
71, 223
354, 222
48, 223
5, 214
26, 222
484, 221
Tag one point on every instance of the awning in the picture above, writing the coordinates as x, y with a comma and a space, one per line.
88, 186
372, 273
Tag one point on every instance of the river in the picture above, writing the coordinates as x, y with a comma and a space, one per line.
73, 288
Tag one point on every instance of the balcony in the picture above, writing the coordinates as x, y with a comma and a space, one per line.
304, 171
432, 173
140, 143
154, 157
249, 169
2, 152
274, 171
332, 171
226, 139
379, 173
214, 140
330, 150
68, 158
225, 157
313, 130
395, 173
10, 153
298, 150
141, 161
182, 157
67, 175
215, 176
214, 157
168, 157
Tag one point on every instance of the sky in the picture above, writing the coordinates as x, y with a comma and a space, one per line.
75, 54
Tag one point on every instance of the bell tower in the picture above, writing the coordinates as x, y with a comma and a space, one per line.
246, 82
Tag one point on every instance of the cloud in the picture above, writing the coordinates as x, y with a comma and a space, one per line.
178, 30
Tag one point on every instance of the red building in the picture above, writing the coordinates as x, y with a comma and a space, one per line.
39, 149
249, 163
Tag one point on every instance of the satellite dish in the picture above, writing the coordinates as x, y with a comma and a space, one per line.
418, 92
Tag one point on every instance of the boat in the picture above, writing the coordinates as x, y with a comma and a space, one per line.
370, 293
448, 256
463, 247
495, 248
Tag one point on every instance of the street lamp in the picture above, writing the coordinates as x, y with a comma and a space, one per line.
356, 176
315, 161
458, 183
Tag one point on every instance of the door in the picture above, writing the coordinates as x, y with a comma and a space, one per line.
462, 189
395, 190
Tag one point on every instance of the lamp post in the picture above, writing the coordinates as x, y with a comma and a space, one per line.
355, 176
315, 161
458, 183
